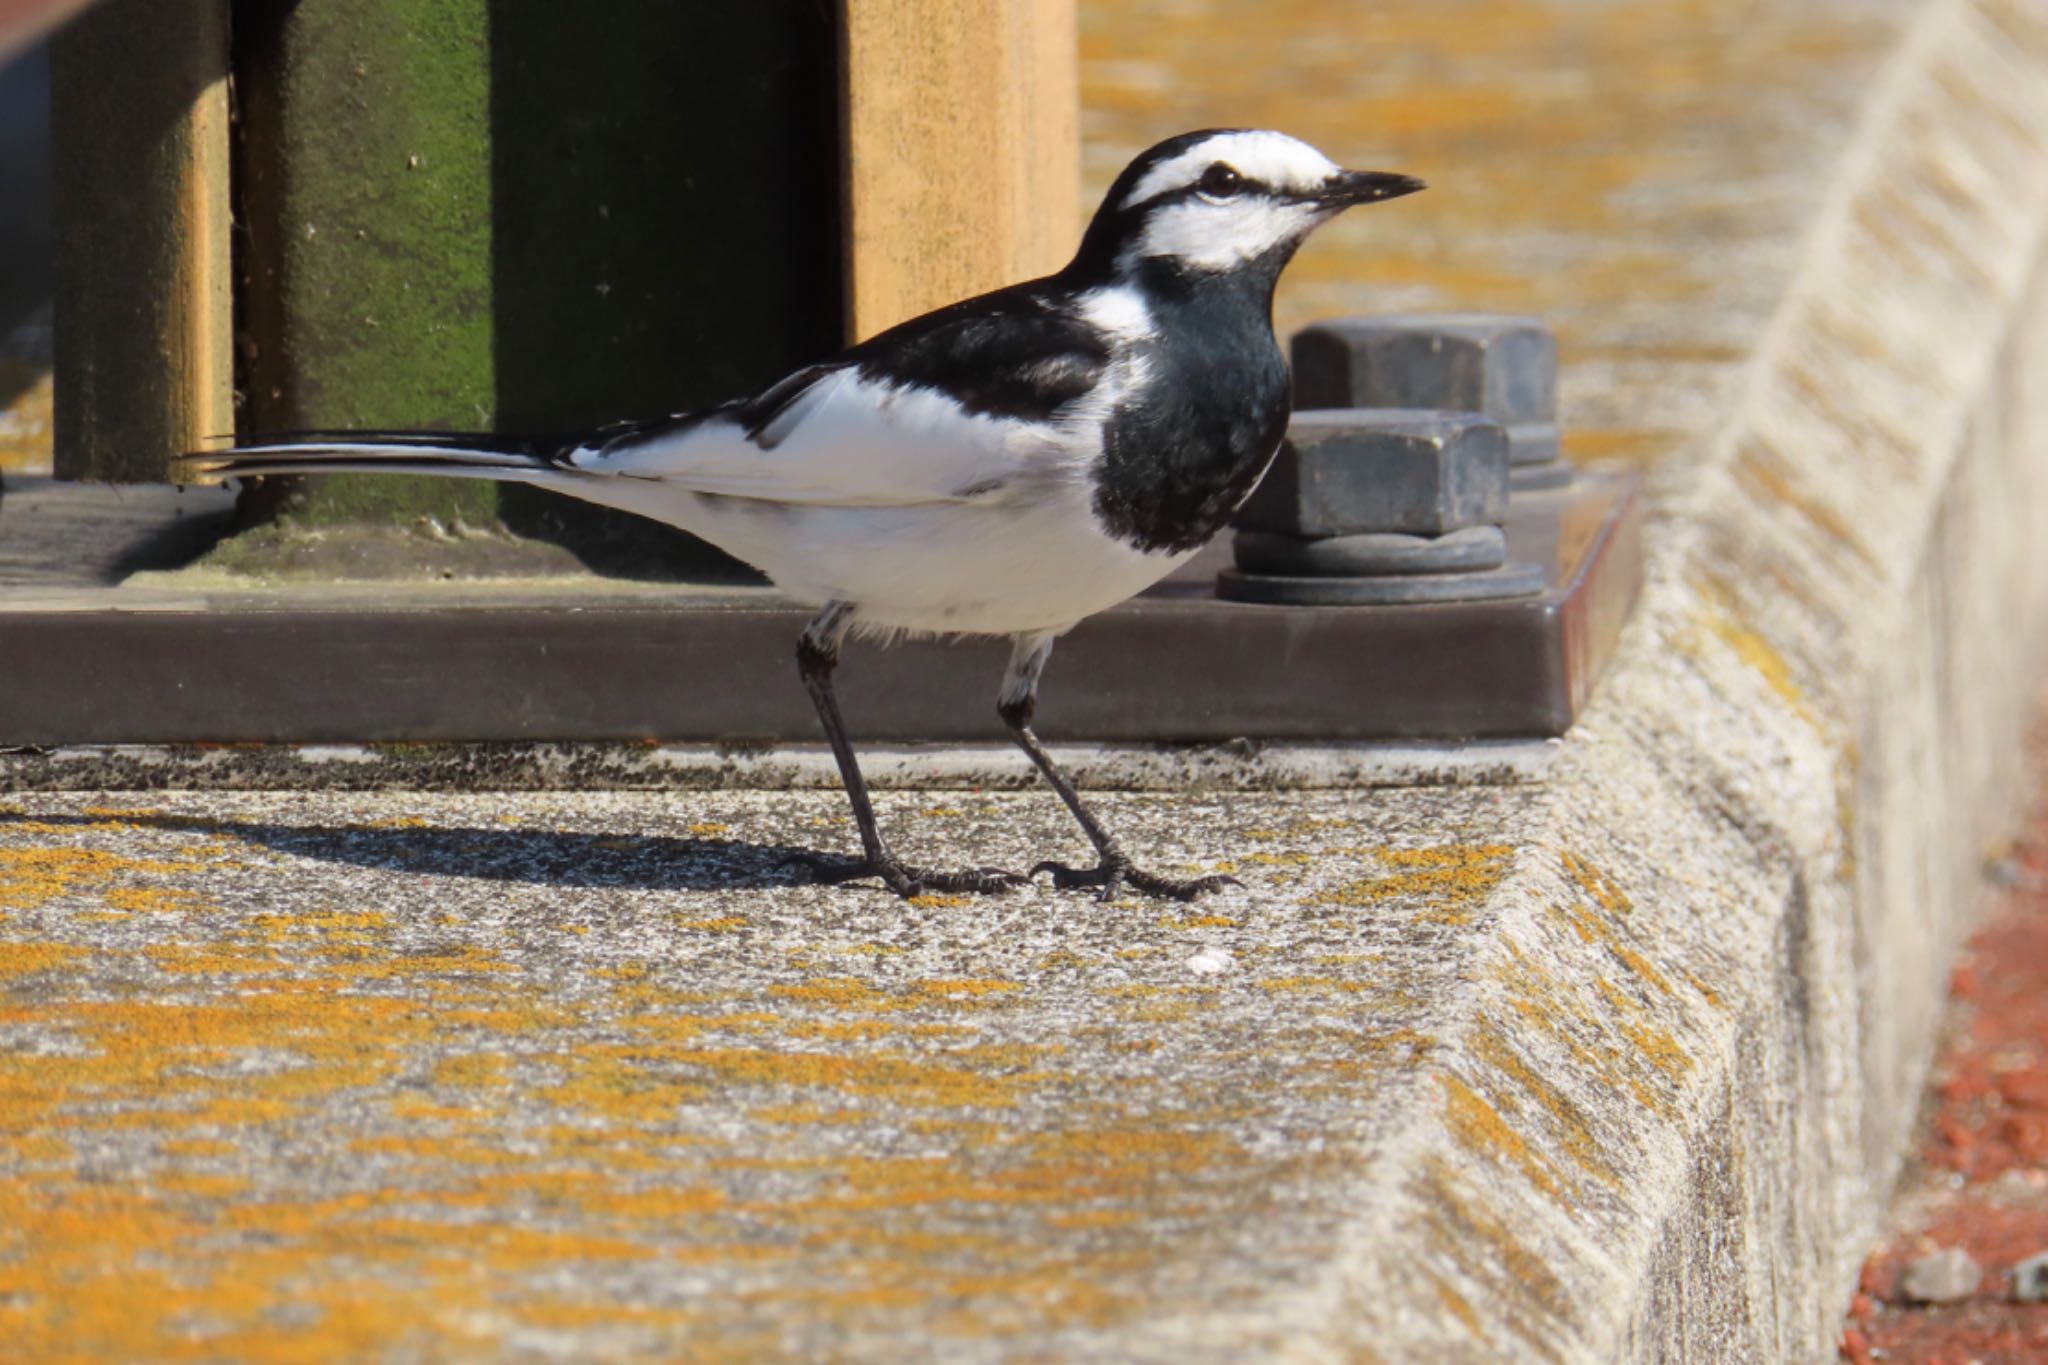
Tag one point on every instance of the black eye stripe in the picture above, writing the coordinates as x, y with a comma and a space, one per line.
1245, 186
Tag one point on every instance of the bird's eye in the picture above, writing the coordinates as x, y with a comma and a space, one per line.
1220, 181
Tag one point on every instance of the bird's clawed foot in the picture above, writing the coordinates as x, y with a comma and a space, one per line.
905, 880
1114, 874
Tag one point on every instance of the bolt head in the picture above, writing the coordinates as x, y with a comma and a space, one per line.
1351, 471
1501, 365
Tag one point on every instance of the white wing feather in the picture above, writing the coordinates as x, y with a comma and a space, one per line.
847, 441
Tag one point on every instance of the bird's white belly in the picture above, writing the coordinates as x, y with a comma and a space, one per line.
997, 569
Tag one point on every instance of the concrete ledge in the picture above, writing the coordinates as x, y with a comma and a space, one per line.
1720, 971
1616, 1064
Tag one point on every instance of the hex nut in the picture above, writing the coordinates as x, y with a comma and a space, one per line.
1501, 365
1345, 472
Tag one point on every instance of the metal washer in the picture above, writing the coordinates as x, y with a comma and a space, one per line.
1511, 580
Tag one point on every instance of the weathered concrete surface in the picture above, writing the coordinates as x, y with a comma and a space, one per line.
1242, 766
585, 1076
1798, 286
1613, 1065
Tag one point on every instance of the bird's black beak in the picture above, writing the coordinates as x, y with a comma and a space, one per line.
1346, 188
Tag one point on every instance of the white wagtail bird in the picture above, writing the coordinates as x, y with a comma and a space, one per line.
1003, 466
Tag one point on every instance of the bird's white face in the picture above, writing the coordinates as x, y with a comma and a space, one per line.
1235, 196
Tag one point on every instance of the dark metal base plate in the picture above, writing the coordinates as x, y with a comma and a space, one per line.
580, 660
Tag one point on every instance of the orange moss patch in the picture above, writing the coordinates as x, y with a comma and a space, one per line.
449, 961
1451, 880
1480, 1127
620, 1090
1460, 1307
851, 1030
151, 899
1093, 1218
479, 1071
1485, 1249
1596, 923
1610, 1042
1605, 891
833, 990
1721, 614
32, 877
792, 1114
34, 1147
198, 1184
1311, 983
195, 960
1629, 447
227, 1112
18, 960
1491, 1046
523, 1017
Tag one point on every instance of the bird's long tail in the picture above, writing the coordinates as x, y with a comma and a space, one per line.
448, 454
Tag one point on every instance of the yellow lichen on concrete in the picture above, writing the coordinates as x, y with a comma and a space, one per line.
1338, 985
905, 1078
842, 991
27, 959
1718, 614
1450, 880
1480, 1127
432, 1288
32, 877
1620, 1037
1485, 1252
1458, 1305
717, 924
1619, 447
1596, 923
1570, 1121
1606, 892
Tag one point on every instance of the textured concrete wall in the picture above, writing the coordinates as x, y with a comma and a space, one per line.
1792, 251
1614, 1063
1794, 777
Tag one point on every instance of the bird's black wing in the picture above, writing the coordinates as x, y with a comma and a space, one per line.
895, 421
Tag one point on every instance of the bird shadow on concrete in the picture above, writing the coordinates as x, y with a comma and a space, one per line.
639, 862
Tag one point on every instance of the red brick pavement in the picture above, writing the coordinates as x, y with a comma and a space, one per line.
1979, 1179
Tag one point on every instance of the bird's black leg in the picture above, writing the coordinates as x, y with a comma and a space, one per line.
1016, 705
817, 653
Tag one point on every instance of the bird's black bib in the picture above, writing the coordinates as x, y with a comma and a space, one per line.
1187, 446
